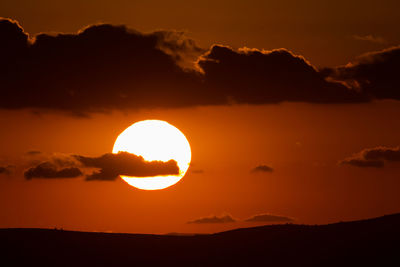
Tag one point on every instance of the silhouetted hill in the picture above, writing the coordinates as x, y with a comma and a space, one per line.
373, 242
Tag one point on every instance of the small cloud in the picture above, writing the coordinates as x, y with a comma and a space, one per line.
262, 168
33, 153
373, 157
3, 170
213, 219
197, 171
7, 170
269, 218
370, 38
360, 162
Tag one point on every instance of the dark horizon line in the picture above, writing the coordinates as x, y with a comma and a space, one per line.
178, 234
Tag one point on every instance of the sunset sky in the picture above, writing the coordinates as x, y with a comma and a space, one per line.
291, 110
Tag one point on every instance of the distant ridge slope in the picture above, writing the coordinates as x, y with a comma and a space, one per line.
372, 242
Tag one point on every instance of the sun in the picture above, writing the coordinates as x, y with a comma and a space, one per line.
155, 140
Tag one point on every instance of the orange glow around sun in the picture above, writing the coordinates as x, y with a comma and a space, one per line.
155, 140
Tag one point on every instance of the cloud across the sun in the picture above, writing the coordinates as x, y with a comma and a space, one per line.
111, 67
107, 167
113, 165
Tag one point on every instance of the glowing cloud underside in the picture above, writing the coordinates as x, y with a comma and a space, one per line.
155, 140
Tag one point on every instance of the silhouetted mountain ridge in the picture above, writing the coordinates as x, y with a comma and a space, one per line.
372, 242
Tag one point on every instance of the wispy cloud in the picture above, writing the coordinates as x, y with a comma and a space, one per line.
268, 218
226, 218
370, 38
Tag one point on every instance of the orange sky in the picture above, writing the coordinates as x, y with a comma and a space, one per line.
302, 142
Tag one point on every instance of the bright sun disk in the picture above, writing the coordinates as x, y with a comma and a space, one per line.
155, 140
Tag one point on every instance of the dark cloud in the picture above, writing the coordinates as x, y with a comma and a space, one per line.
375, 74
184, 50
213, 219
262, 168
113, 165
13, 44
100, 68
268, 218
49, 170
106, 67
373, 157
257, 77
